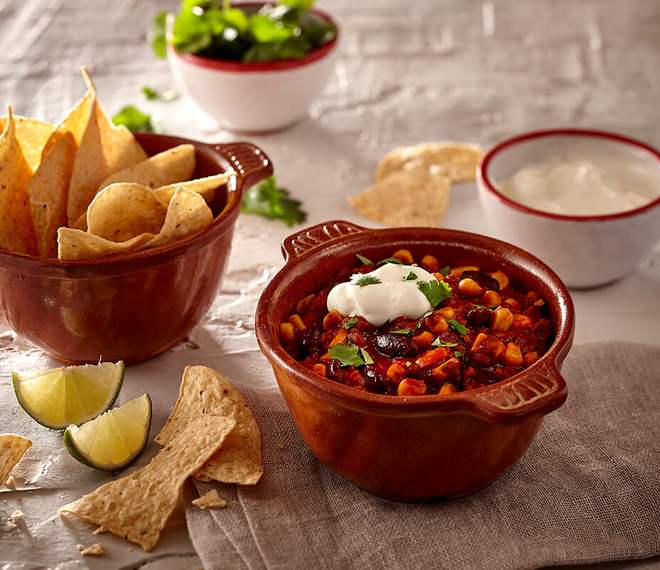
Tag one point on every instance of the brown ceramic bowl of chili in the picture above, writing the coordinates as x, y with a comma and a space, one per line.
135, 305
483, 366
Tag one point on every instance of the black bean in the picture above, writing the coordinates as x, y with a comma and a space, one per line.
479, 316
486, 281
394, 345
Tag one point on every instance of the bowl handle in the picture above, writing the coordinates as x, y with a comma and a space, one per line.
539, 391
249, 161
309, 238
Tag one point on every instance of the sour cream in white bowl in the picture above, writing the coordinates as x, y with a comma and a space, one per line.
585, 202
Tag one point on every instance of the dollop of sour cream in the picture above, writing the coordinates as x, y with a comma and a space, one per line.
585, 184
395, 294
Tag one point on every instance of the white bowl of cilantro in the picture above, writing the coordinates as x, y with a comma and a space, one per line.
252, 67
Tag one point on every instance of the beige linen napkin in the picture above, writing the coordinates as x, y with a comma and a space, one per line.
587, 490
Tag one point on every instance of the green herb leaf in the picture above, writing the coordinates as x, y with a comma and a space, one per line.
270, 201
389, 260
458, 327
435, 291
153, 95
347, 355
410, 276
365, 280
157, 35
364, 260
133, 119
458, 354
300, 4
438, 342
445, 271
149, 92
366, 356
350, 323
401, 331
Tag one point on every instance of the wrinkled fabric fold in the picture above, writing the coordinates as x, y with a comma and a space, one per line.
587, 490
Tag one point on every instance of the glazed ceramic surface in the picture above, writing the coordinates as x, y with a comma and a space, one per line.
585, 251
255, 97
418, 447
135, 305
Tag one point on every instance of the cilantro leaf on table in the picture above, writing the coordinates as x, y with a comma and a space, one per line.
364, 280
346, 354
435, 291
460, 328
133, 119
269, 200
152, 94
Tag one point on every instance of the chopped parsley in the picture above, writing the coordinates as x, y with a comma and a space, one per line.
269, 200
350, 323
435, 291
366, 356
458, 327
365, 280
364, 260
445, 271
439, 342
347, 355
400, 331
389, 260
458, 354
410, 276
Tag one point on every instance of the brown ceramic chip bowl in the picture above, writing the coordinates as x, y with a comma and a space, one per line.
135, 305
418, 447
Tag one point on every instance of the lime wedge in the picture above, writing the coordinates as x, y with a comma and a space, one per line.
114, 439
73, 395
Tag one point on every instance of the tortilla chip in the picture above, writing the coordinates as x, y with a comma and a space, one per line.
76, 244
32, 135
16, 228
203, 392
48, 192
187, 214
457, 161
124, 210
137, 506
210, 500
173, 165
12, 450
103, 150
205, 187
411, 197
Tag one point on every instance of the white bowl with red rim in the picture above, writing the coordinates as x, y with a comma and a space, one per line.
260, 96
586, 251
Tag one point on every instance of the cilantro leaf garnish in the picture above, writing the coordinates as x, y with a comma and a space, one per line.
410, 276
347, 355
271, 201
439, 342
133, 119
401, 331
458, 354
350, 323
458, 327
435, 291
365, 280
364, 260
445, 271
366, 356
389, 260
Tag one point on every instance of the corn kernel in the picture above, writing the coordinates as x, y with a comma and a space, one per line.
411, 387
512, 355
287, 333
430, 263
447, 369
437, 323
469, 287
458, 271
447, 388
423, 339
304, 303
447, 313
404, 256
297, 322
521, 322
479, 340
319, 369
331, 320
492, 298
502, 319
501, 278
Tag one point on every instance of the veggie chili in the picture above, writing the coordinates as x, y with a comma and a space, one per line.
480, 330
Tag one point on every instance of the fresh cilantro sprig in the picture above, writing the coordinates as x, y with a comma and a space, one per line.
364, 280
349, 355
282, 30
350, 323
133, 119
269, 200
435, 291
410, 276
364, 260
460, 328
